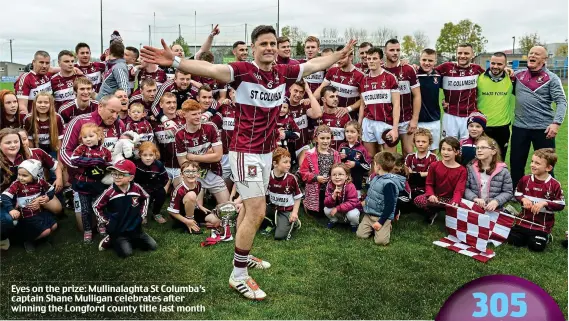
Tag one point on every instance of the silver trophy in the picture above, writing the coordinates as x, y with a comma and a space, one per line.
227, 212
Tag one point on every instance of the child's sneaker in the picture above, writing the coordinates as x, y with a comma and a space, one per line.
248, 288
102, 229
330, 225
354, 228
5, 244
30, 247
88, 237
105, 243
159, 218
256, 263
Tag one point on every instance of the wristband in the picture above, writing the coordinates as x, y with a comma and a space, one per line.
349, 109
176, 62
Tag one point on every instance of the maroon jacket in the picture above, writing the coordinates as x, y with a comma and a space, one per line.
347, 201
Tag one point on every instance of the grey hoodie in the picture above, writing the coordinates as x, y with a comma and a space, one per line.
115, 77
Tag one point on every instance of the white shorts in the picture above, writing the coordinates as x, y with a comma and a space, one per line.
212, 183
225, 167
455, 126
305, 147
373, 129
251, 172
435, 128
403, 128
173, 172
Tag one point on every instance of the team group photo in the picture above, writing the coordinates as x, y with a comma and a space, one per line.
289, 174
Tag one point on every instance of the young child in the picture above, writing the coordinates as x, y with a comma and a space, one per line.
186, 205
10, 118
489, 182
381, 200
446, 180
418, 163
284, 196
44, 125
315, 169
541, 196
122, 207
342, 202
152, 176
354, 155
35, 222
404, 197
138, 123
476, 127
91, 159
287, 128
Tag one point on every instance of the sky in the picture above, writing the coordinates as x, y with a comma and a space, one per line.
60, 24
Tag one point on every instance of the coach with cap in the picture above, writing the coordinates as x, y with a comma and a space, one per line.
535, 121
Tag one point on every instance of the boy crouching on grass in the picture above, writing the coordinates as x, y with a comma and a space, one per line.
381, 200
122, 207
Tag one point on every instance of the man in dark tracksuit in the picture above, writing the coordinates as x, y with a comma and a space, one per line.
122, 207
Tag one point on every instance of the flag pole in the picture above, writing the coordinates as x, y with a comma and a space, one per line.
505, 214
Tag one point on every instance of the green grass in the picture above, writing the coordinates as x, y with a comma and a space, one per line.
6, 85
319, 274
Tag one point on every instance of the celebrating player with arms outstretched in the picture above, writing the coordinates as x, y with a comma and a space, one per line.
259, 91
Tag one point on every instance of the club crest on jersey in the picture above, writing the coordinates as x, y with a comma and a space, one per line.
539, 79
252, 171
435, 80
195, 141
287, 189
342, 78
204, 137
357, 156
400, 75
351, 81
135, 201
383, 84
338, 124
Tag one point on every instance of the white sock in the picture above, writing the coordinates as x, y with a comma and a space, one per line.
240, 273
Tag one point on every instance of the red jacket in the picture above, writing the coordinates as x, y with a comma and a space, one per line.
347, 201
308, 171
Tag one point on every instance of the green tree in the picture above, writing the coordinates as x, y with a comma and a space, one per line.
454, 34
561, 51
528, 41
408, 45
299, 49
182, 42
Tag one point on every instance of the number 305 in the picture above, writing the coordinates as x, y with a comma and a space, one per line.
500, 305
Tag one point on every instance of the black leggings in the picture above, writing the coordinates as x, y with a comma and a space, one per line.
522, 138
87, 213
158, 198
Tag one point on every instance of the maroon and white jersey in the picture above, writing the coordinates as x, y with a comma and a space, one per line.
314, 80
376, 94
30, 84
287, 123
159, 76
47, 161
363, 67
215, 85
62, 88
136, 97
336, 125
407, 80
283, 191
298, 113
170, 87
536, 191
142, 128
198, 143
70, 110
165, 140
43, 131
25, 194
348, 84
83, 157
177, 200
94, 72
225, 119
459, 87
258, 97
416, 164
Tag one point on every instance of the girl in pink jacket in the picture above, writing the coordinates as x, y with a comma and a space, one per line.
341, 203
315, 170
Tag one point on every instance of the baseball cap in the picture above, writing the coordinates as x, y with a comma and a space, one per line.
387, 140
33, 166
124, 166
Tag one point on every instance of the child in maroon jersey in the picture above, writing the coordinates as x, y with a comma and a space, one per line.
287, 128
417, 164
341, 201
138, 123
35, 222
446, 180
10, 118
152, 176
541, 196
315, 170
355, 155
91, 158
44, 125
284, 196
476, 125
